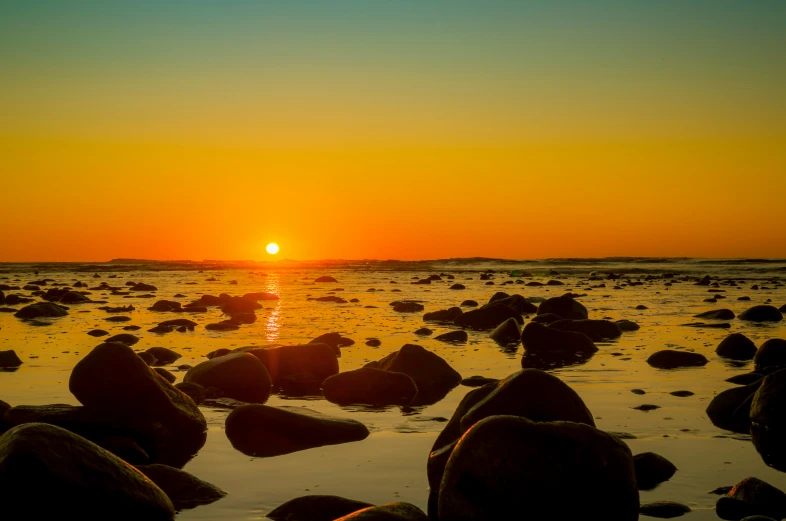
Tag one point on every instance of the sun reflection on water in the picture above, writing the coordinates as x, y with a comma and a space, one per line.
273, 326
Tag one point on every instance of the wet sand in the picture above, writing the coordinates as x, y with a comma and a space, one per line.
390, 465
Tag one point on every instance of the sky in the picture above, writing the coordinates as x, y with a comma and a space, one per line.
392, 129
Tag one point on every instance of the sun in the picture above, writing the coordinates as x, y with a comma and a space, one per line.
272, 248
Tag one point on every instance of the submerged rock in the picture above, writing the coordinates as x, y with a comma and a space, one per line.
78, 479
505, 462
260, 430
325, 278
333, 339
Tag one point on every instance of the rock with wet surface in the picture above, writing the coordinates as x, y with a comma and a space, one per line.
565, 307
730, 409
316, 508
736, 346
263, 431
183, 489
430, 372
123, 338
370, 386
333, 339
537, 338
41, 309
164, 355
652, 470
459, 336
663, 509
717, 314
763, 313
307, 362
517, 303
443, 315
507, 333
50, 473
9, 358
387, 512
751, 497
627, 325
238, 375
505, 462
772, 353
596, 330
768, 419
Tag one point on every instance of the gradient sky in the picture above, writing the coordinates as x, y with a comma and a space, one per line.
392, 129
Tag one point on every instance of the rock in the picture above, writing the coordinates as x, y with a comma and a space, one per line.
443, 315
537, 338
487, 317
123, 338
515, 302
114, 381
9, 359
79, 479
663, 509
222, 326
333, 339
652, 470
316, 508
736, 346
750, 497
453, 336
768, 421
407, 307
772, 353
373, 342
423, 331
263, 431
261, 296
563, 306
646, 407
387, 512
469, 304
311, 362
507, 333
596, 330
194, 391
672, 359
457, 286
179, 322
97, 332
762, 313
627, 325
164, 355
183, 489
325, 278
478, 381
148, 358
41, 309
239, 375
118, 319
141, 286
161, 329
166, 375
167, 306
546, 318
682, 394
745, 378
717, 314
371, 387
73, 297
505, 462
730, 409
430, 372
236, 305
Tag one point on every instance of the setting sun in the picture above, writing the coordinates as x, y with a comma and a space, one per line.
272, 248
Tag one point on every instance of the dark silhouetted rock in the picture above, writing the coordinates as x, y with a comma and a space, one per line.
504, 462
430, 372
515, 302
333, 339
563, 306
478, 381
9, 358
183, 489
407, 307
373, 342
97, 332
652, 470
73, 297
141, 286
762, 313
166, 375
546, 318
457, 286
663, 509
672, 359
41, 309
123, 338
596, 330
371, 387
235, 305
167, 306
309, 362
260, 430
730, 409
423, 331
768, 421
316, 508
387, 512
222, 326
164, 355
772, 353
752, 497
239, 375
194, 391
717, 314
469, 304
487, 317
325, 278
79, 479
736, 346
507, 333
627, 325
537, 338
453, 336
443, 315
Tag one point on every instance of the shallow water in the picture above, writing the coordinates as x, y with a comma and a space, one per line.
390, 464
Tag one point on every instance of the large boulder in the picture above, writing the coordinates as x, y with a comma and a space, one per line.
507, 333
113, 380
387, 512
555, 470
772, 353
41, 309
763, 313
239, 375
370, 386
736, 346
184, 489
717, 314
260, 430
565, 307
596, 330
50, 473
316, 508
238, 305
74, 297
768, 419
537, 338
517, 303
430, 372
752, 497
730, 409
487, 317
9, 359
167, 306
309, 364
672, 359
334, 340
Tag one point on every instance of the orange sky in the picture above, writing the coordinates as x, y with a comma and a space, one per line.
207, 138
